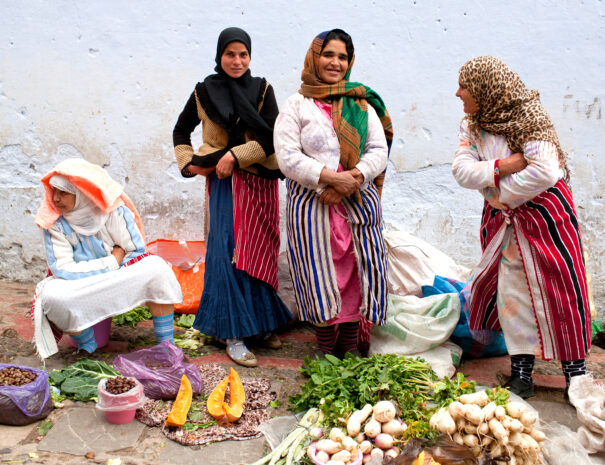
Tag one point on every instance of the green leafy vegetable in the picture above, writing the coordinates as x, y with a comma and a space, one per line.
275, 404
195, 426
349, 384
44, 427
55, 394
340, 386
498, 395
185, 320
447, 391
132, 317
80, 380
192, 339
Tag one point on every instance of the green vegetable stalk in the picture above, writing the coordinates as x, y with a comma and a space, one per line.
289, 450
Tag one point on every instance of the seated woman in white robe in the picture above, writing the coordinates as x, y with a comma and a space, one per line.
97, 258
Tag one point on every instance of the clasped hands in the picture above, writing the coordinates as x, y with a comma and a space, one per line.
224, 168
509, 165
340, 185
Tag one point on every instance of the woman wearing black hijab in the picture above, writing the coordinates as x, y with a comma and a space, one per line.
237, 112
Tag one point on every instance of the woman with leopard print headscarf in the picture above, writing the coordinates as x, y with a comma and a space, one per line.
531, 280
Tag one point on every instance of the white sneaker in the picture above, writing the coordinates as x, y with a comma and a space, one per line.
239, 353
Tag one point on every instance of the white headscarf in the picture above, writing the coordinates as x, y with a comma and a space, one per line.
85, 218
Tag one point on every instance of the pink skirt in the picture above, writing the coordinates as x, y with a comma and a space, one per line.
345, 265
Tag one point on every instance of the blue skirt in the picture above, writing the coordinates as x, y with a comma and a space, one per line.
233, 303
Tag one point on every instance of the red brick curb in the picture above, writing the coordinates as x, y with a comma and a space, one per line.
271, 362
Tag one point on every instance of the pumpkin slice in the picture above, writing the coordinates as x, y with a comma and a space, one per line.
216, 400
237, 397
181, 405
218, 408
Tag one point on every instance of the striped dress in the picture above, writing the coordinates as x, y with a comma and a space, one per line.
305, 143
531, 279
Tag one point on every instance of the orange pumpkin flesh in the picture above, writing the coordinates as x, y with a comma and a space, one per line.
216, 398
218, 408
182, 404
236, 396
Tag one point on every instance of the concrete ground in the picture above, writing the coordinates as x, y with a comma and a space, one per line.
80, 434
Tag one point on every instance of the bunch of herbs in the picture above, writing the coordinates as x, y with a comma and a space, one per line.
132, 317
448, 390
340, 386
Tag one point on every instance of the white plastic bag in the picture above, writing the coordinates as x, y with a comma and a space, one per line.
277, 429
588, 397
562, 447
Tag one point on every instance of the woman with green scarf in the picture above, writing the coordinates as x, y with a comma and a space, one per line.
332, 140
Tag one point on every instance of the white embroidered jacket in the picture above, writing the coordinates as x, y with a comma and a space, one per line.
305, 142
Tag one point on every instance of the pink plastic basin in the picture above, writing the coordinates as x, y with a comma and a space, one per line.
120, 417
101, 330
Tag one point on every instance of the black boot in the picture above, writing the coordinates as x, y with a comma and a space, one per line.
520, 387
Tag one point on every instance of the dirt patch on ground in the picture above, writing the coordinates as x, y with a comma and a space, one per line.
12, 346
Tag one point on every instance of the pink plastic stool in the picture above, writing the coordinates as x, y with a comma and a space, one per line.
101, 330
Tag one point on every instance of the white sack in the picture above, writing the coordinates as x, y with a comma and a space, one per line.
413, 263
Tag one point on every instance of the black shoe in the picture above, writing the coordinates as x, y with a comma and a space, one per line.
522, 388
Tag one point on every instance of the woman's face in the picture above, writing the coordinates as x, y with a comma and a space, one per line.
63, 201
333, 62
235, 60
470, 105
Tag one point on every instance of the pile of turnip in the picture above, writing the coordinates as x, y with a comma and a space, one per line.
367, 435
492, 429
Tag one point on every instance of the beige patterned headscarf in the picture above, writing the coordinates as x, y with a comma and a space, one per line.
506, 106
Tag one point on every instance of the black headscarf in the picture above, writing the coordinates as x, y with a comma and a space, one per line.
230, 99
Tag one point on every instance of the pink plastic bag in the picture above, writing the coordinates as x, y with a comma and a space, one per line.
131, 400
159, 369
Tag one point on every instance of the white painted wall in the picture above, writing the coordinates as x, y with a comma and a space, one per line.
106, 80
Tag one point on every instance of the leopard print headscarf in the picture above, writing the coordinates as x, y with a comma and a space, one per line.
506, 106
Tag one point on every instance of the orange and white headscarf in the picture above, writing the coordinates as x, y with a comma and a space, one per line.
94, 188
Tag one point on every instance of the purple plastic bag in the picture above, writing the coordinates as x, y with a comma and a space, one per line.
159, 369
22, 405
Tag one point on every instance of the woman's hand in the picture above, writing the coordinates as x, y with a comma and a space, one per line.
344, 182
357, 175
225, 165
512, 164
199, 170
118, 253
330, 196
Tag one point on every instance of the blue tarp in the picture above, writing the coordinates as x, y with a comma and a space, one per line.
462, 334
